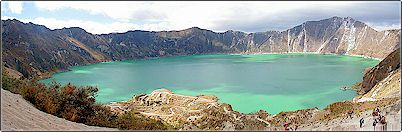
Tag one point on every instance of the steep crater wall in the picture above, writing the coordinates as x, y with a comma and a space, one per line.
35, 50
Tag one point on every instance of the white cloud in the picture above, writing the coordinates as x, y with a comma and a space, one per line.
15, 6
382, 27
181, 15
90, 26
215, 15
104, 28
7, 17
119, 10
4, 7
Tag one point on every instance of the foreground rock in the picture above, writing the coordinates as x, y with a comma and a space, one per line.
17, 114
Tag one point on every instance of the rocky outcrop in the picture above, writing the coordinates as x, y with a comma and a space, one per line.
389, 87
34, 50
201, 112
381, 71
204, 113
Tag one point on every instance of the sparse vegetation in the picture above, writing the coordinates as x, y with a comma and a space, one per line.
131, 121
76, 104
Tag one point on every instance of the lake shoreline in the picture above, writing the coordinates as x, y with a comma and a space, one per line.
218, 93
363, 56
50, 73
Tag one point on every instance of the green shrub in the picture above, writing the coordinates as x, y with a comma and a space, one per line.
103, 117
8, 83
131, 121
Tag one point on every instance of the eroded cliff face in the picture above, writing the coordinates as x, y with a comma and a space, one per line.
34, 49
333, 35
389, 87
390, 65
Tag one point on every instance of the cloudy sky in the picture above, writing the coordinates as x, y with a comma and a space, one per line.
256, 16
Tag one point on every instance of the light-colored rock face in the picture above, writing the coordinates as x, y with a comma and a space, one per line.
333, 35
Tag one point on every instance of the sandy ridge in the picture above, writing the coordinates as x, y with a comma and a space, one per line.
18, 114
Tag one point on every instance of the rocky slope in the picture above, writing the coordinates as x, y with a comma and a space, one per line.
383, 80
385, 68
189, 112
389, 87
17, 114
343, 123
35, 50
204, 113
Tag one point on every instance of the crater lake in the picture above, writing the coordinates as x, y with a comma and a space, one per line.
272, 82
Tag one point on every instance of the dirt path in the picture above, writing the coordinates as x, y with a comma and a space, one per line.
19, 114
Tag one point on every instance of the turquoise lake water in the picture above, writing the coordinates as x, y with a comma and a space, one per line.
273, 82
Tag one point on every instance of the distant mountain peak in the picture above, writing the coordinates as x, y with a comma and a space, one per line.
195, 28
74, 29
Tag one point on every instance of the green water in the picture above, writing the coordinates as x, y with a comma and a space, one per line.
273, 82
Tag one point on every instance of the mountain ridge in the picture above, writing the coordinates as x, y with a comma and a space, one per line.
195, 27
34, 50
